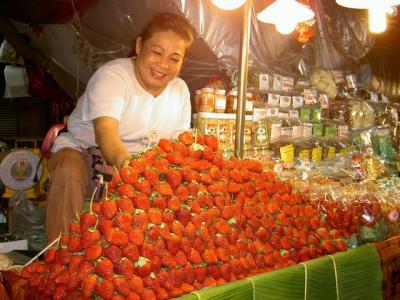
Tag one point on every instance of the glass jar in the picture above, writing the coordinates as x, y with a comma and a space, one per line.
197, 100
220, 101
231, 102
207, 100
249, 104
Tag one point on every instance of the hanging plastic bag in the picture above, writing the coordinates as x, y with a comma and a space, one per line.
27, 220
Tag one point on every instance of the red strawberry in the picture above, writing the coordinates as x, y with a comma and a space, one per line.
147, 250
105, 289
233, 187
174, 204
200, 273
164, 189
93, 252
124, 221
175, 158
50, 255
136, 285
143, 267
105, 225
181, 148
174, 178
88, 285
165, 280
126, 190
141, 201
161, 165
113, 253
166, 145
136, 236
186, 138
183, 215
117, 237
87, 220
105, 268
90, 237
144, 186
155, 215
125, 205
74, 244
109, 208
121, 285
182, 193
209, 256
328, 246
126, 268
340, 245
322, 233
212, 141
173, 243
128, 175
168, 217
138, 165
152, 176
141, 219
194, 257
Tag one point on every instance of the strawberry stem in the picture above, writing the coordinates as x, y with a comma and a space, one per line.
91, 201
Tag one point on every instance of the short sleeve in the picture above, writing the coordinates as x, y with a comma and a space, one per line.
105, 94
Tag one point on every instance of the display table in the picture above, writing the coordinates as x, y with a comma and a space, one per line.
354, 274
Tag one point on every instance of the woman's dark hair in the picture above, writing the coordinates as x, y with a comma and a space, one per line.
168, 22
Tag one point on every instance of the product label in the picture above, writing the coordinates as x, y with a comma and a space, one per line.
324, 100
305, 114
287, 154
287, 131
259, 114
276, 130
277, 86
310, 96
261, 136
343, 131
331, 152
287, 84
249, 105
294, 114
316, 154
317, 129
373, 97
297, 131
264, 82
316, 114
220, 102
273, 99
330, 131
297, 101
307, 130
284, 101
338, 77
272, 112
304, 154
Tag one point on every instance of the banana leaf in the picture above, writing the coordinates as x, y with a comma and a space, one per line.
351, 275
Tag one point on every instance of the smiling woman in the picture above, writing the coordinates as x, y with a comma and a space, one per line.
128, 104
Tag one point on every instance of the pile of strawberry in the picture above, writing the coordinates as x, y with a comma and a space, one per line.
178, 218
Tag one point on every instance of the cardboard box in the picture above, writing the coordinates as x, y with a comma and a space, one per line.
13, 245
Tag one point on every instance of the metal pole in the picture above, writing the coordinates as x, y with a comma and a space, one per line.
243, 72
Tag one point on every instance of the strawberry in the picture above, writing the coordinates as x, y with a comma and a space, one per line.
174, 178
141, 201
117, 237
124, 221
174, 204
85, 268
138, 165
151, 154
189, 231
200, 165
212, 141
113, 253
136, 285
285, 243
128, 175
147, 250
181, 148
133, 296
109, 208
160, 203
322, 233
144, 186
136, 236
175, 158
233, 187
149, 295
87, 220
90, 237
161, 165
165, 144
209, 256
105, 225
223, 227
155, 216
153, 233
168, 217
88, 285
173, 243
194, 257
177, 228
200, 273
186, 138
183, 215
182, 193
164, 189
125, 205
143, 267
93, 252
105, 268
49, 256
74, 244
155, 265
126, 268
140, 219
340, 245
328, 246
105, 289
208, 153
181, 258
126, 190
152, 176
165, 280
62, 277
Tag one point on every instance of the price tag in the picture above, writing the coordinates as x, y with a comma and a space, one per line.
284, 101
294, 113
297, 101
287, 154
307, 130
277, 86
273, 99
287, 131
287, 84
264, 82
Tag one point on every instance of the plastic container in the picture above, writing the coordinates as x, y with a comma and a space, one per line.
231, 102
207, 100
220, 101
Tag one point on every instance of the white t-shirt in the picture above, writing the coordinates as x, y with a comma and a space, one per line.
113, 91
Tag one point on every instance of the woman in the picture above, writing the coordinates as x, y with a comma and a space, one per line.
128, 103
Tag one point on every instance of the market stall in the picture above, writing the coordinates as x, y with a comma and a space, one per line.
309, 211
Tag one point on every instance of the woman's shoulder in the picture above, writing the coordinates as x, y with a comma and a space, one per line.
119, 65
178, 84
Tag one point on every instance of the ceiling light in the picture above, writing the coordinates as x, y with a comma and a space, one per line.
228, 4
285, 14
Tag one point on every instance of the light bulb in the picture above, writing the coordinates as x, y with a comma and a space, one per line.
285, 26
377, 18
285, 10
228, 4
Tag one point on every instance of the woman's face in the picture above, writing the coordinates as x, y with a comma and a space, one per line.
159, 60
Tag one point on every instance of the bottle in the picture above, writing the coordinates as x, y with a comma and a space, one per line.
231, 102
220, 101
197, 100
207, 100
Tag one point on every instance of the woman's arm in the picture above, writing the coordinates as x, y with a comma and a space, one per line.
110, 144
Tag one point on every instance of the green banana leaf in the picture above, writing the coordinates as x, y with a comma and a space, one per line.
351, 275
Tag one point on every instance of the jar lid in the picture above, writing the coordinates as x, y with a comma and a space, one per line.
207, 90
219, 92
